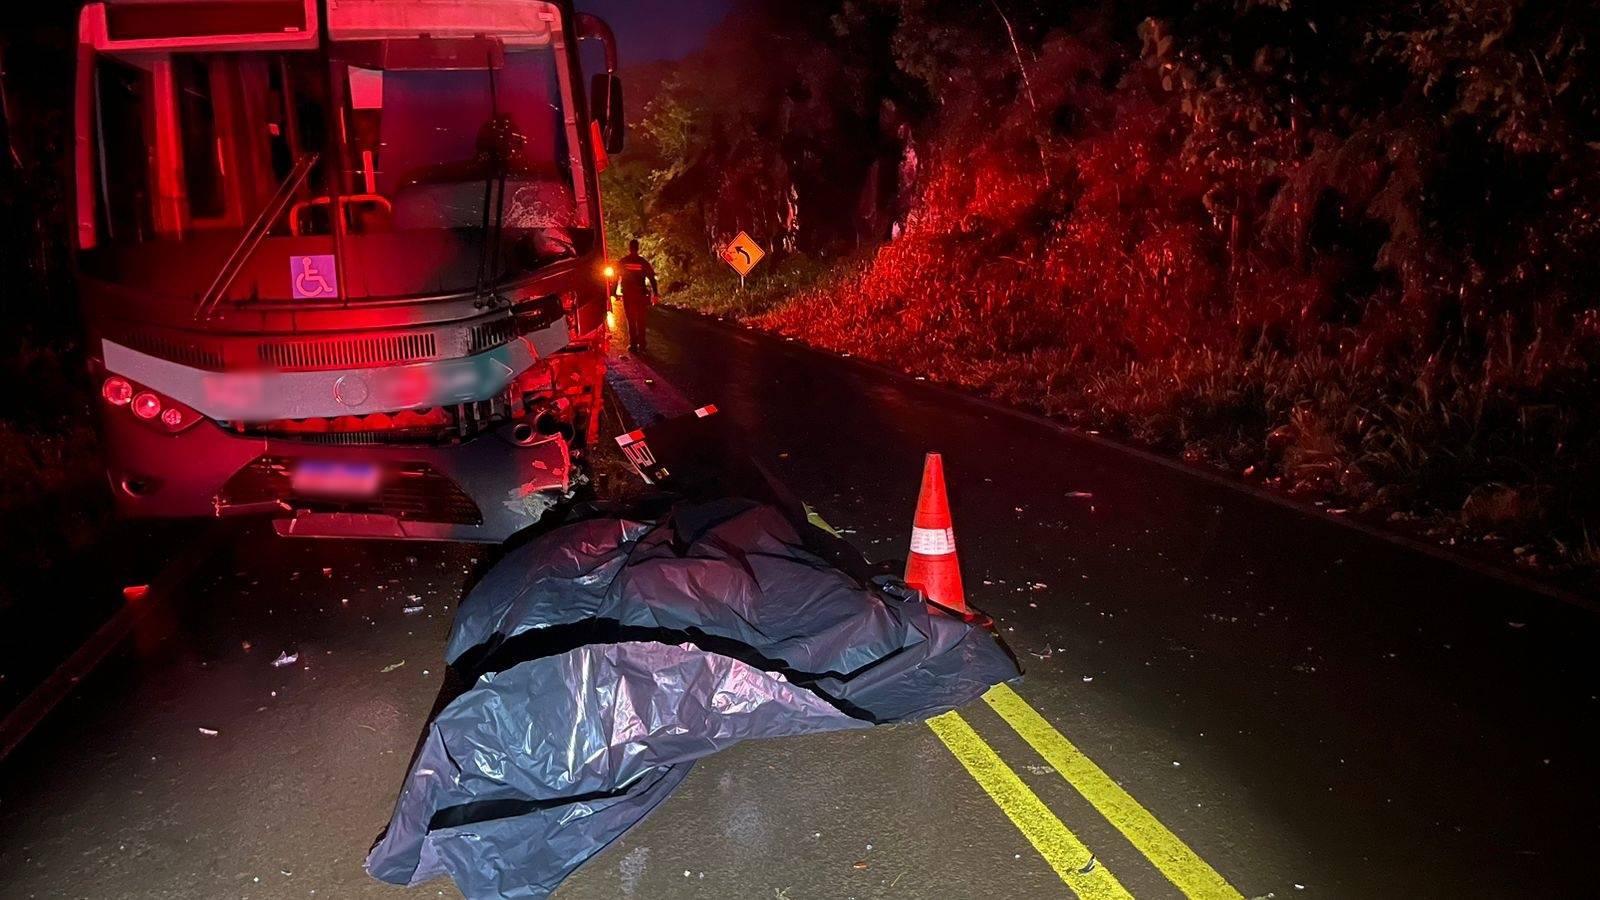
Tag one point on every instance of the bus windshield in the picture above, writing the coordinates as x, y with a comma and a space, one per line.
443, 166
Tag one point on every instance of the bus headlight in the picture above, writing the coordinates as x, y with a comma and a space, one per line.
160, 412
117, 391
146, 405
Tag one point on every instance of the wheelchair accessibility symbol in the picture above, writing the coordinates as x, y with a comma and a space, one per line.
313, 276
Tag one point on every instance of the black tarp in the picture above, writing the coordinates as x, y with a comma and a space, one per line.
608, 655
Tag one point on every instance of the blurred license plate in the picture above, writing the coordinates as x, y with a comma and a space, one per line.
329, 478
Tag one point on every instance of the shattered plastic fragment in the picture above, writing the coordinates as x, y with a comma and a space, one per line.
208, 732
286, 659
392, 666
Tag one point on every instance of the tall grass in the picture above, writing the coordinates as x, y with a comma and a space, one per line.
1273, 301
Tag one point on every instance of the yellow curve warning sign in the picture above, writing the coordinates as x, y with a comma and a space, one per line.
742, 253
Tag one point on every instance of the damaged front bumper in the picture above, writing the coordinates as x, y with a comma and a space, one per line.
484, 489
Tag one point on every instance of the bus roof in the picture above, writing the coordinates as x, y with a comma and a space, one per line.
155, 25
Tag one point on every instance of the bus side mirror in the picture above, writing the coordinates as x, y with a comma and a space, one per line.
605, 107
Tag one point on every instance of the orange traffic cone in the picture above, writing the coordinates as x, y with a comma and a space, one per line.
932, 567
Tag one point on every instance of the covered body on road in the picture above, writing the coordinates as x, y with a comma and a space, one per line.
607, 656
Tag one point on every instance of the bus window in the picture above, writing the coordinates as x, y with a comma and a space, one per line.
203, 151
126, 212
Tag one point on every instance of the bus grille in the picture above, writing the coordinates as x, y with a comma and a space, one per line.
393, 436
183, 350
347, 351
492, 334
414, 492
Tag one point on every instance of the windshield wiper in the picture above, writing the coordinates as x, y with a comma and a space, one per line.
494, 190
251, 239
500, 151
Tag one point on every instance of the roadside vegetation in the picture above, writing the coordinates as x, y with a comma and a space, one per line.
53, 502
1343, 249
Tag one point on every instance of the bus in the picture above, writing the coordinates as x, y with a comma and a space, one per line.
341, 262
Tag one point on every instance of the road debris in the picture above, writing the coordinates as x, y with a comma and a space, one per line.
208, 732
286, 659
135, 591
391, 667
412, 610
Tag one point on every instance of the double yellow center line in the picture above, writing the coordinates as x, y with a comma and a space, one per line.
1077, 866
1066, 854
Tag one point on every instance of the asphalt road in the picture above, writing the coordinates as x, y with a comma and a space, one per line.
1309, 710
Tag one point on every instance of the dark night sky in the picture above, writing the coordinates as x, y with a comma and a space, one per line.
658, 29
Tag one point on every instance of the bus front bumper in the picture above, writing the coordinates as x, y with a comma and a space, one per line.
485, 489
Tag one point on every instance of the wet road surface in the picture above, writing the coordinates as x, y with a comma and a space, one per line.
1310, 711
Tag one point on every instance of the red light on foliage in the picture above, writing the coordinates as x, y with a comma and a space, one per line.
146, 405
117, 391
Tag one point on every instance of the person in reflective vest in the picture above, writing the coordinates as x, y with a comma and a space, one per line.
636, 285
